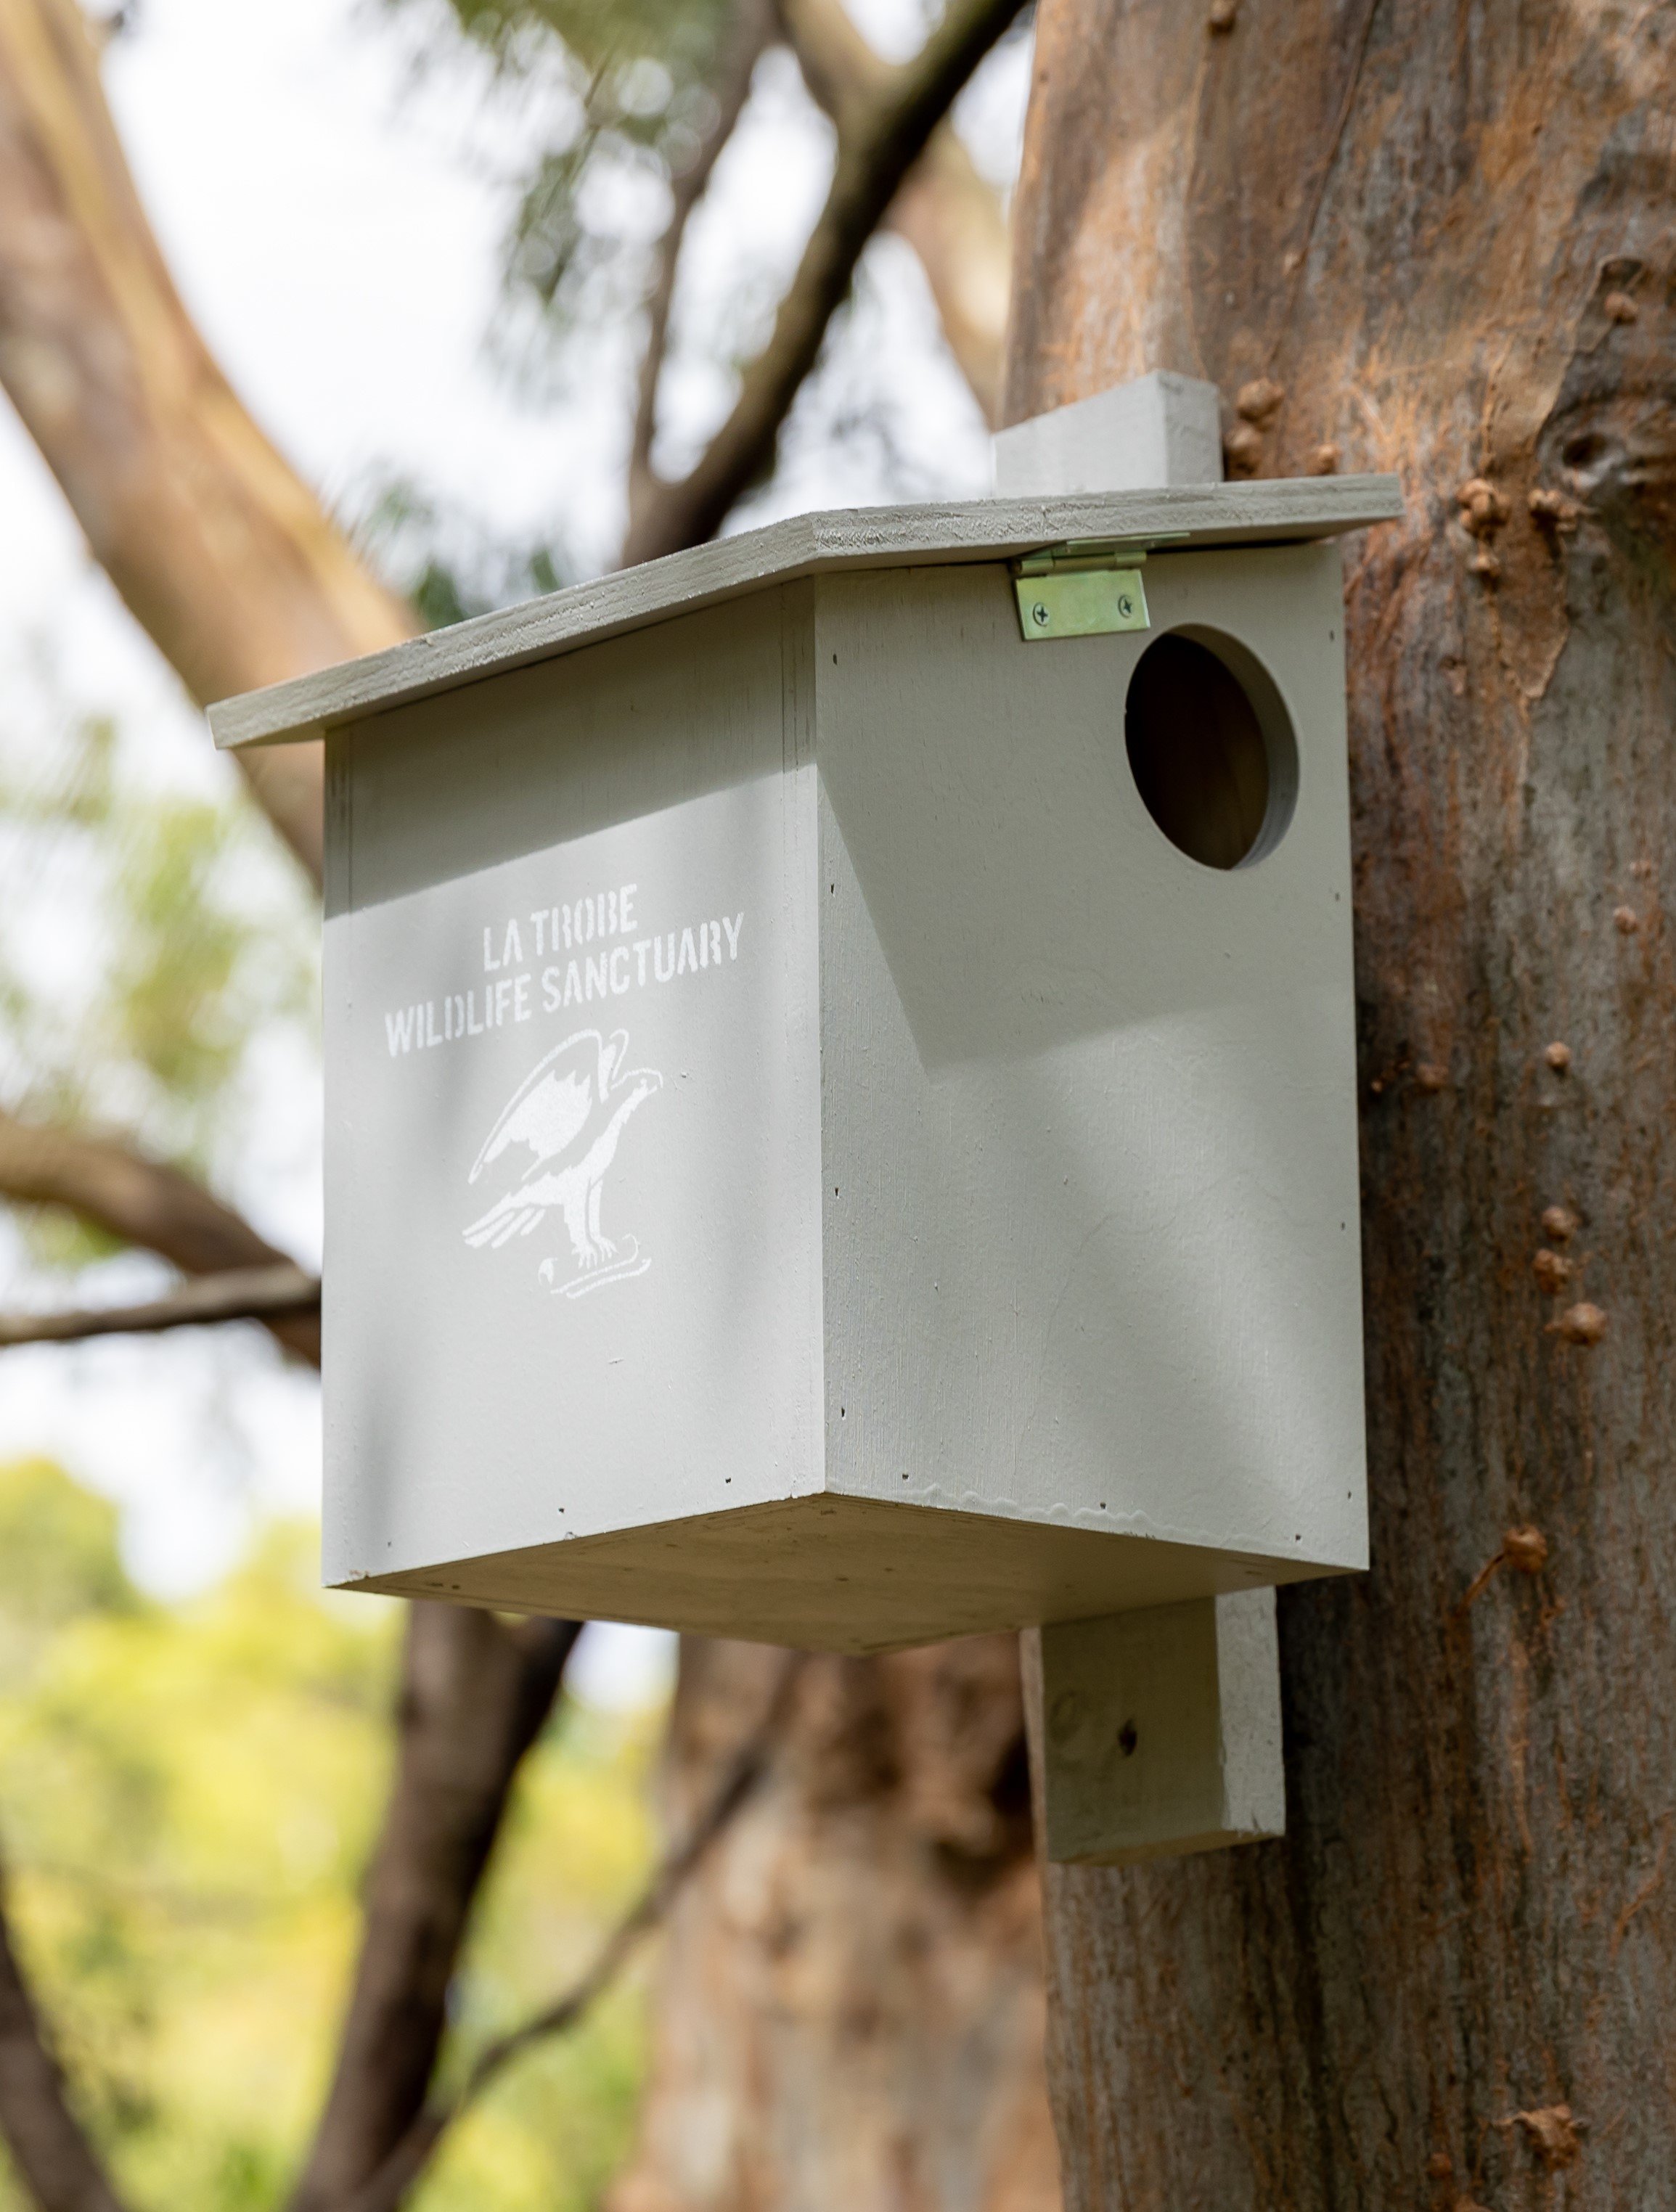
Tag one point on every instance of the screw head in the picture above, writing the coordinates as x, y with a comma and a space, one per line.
1039, 614
1125, 606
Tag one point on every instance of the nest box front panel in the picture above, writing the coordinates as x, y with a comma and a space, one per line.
573, 1147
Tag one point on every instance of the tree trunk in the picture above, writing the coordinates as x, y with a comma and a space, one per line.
224, 556
1446, 232
849, 2010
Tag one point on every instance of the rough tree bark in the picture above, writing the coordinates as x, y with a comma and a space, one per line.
1438, 240
850, 2008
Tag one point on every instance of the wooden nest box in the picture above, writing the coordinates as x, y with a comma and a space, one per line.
840, 1077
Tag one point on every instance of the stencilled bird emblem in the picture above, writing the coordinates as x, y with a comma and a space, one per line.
569, 1111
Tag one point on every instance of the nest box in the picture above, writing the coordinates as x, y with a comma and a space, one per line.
840, 1075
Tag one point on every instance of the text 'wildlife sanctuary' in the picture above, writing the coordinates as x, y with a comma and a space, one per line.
594, 955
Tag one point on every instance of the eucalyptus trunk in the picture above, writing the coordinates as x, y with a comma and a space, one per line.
850, 2013
1436, 239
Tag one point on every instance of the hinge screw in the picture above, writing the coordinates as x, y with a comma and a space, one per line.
1125, 606
1039, 614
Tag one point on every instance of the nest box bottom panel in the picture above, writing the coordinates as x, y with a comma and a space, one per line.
831, 1573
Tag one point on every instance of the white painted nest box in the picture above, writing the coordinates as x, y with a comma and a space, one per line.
840, 1085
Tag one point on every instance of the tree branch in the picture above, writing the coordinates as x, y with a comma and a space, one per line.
950, 215
750, 29
280, 1292
411, 2156
879, 139
223, 554
46, 2143
476, 1693
144, 1202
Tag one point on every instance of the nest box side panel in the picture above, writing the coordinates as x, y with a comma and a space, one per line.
573, 1266
1088, 1106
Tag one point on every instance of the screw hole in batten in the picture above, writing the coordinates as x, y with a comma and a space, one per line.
1211, 748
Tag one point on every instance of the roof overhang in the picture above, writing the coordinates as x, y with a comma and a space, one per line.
1269, 512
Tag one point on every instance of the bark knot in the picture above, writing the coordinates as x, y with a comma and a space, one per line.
1482, 509
1552, 1272
1581, 1324
1243, 449
1558, 1057
1525, 1550
1260, 401
1552, 511
1559, 1222
1552, 2132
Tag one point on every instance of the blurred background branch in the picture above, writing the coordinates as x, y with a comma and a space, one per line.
277, 1293
221, 552
950, 214
883, 128
52, 2153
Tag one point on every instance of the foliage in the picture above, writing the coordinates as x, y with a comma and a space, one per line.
443, 562
151, 936
628, 102
189, 1795
601, 105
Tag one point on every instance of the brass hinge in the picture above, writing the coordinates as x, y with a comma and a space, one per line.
1087, 587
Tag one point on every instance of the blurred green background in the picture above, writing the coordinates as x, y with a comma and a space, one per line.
190, 1793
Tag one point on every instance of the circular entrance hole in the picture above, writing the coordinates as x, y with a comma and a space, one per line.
1211, 748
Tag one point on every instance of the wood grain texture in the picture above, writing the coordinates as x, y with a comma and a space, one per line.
1439, 241
830, 1573
802, 545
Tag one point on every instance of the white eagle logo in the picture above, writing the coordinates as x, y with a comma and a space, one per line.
569, 1111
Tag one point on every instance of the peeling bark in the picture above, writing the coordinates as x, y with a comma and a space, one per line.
1439, 240
850, 2009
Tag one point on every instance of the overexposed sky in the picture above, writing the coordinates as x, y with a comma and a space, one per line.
332, 198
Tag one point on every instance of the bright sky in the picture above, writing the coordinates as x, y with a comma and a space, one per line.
332, 212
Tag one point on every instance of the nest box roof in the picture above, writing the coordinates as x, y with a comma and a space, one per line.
1272, 512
